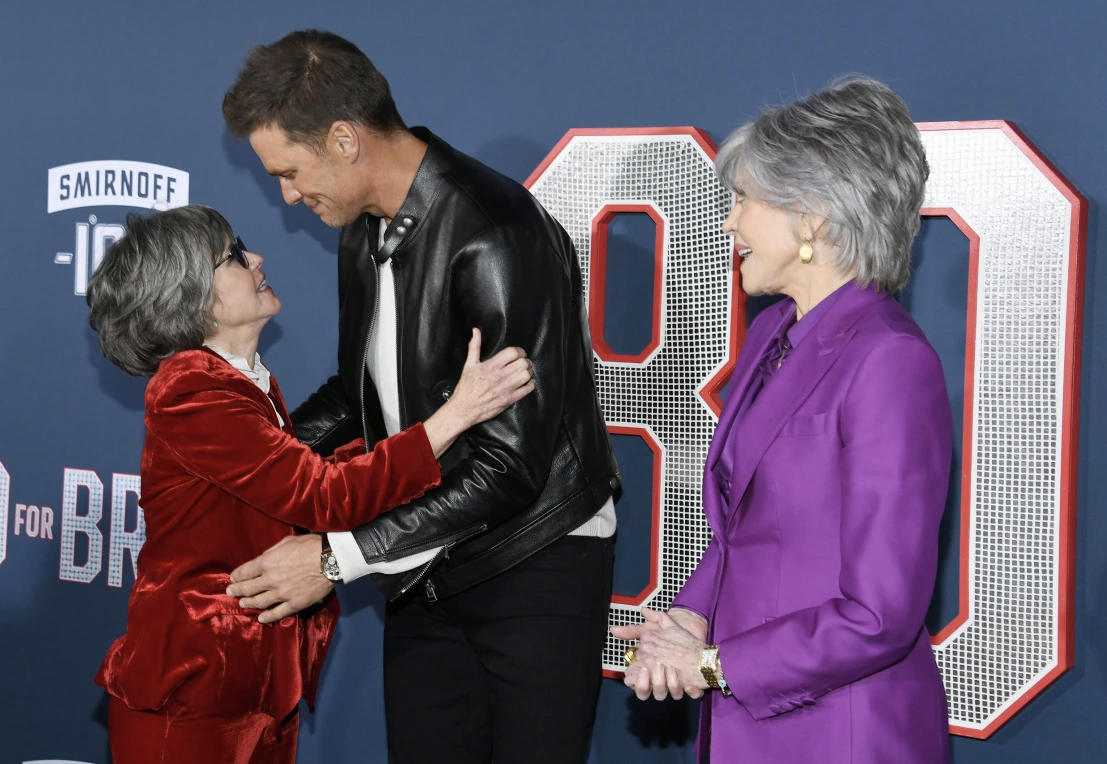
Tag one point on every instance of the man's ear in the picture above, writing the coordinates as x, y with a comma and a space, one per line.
343, 141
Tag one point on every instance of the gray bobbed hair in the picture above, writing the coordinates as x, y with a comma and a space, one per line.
152, 295
850, 154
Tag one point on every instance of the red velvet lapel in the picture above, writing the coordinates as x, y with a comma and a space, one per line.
278, 401
209, 361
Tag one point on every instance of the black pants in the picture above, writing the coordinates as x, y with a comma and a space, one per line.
508, 670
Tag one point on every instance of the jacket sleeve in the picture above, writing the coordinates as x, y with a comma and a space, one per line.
510, 456
227, 438
698, 592
896, 432
325, 421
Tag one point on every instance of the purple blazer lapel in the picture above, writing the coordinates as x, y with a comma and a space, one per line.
792, 384
753, 349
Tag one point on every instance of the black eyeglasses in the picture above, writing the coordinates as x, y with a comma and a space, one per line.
238, 252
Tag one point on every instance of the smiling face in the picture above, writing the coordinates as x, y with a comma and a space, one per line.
326, 185
767, 243
244, 302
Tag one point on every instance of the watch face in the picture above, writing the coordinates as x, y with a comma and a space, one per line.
330, 568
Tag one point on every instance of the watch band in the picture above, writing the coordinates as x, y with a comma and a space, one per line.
711, 666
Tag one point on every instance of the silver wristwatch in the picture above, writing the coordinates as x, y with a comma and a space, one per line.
329, 564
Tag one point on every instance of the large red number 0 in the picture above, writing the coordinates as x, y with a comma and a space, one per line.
1013, 635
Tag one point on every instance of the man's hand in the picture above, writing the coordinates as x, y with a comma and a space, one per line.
284, 580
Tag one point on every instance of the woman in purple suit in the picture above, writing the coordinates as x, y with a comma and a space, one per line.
827, 475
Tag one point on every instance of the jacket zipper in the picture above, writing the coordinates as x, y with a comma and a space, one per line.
365, 355
449, 540
444, 554
364, 370
404, 424
423, 572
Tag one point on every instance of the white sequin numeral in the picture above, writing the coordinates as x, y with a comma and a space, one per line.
666, 393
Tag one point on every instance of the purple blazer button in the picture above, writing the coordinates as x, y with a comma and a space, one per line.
776, 709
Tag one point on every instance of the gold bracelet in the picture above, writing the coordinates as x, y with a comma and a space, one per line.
709, 666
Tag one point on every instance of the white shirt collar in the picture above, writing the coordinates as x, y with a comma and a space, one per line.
257, 373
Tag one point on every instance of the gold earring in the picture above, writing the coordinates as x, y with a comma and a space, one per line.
806, 252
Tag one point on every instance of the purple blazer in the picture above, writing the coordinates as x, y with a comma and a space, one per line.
821, 569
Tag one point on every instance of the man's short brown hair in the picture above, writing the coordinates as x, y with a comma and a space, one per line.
304, 83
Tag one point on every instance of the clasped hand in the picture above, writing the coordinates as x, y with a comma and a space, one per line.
669, 647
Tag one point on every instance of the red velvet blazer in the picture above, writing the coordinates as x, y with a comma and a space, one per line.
221, 483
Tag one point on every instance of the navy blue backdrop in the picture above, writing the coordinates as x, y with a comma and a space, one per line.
502, 81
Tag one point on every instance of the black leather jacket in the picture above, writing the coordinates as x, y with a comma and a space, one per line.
470, 247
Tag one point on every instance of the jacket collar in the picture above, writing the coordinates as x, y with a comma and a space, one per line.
853, 304
212, 363
424, 190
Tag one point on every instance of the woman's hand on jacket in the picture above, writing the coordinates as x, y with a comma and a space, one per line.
484, 391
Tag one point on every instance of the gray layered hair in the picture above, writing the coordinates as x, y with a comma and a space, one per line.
152, 295
850, 154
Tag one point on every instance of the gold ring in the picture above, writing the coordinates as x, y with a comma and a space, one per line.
630, 656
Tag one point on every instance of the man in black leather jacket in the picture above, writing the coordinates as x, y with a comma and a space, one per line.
499, 580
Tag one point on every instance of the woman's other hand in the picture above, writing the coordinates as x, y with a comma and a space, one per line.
694, 623
690, 621
484, 391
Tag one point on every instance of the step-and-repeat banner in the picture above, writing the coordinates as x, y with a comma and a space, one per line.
998, 285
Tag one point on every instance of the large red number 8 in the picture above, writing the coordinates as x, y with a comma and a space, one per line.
669, 393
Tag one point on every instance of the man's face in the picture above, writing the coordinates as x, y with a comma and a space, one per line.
320, 182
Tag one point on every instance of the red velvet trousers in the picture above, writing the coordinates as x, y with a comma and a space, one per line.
175, 735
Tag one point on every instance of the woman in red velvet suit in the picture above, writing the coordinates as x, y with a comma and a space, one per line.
196, 678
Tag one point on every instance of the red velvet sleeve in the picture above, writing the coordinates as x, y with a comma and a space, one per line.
345, 453
227, 437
